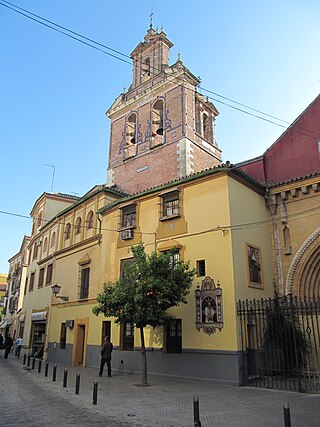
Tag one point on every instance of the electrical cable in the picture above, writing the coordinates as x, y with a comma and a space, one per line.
130, 63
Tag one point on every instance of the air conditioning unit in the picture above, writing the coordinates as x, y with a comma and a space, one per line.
70, 324
126, 234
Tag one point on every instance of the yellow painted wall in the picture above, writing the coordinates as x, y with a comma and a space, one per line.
209, 206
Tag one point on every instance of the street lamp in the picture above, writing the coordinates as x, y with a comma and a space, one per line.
55, 291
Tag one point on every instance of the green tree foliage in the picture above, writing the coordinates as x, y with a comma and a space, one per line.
150, 286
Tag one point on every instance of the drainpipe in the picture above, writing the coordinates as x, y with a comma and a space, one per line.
99, 229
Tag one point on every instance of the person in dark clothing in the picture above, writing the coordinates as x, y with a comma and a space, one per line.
8, 343
106, 356
1, 341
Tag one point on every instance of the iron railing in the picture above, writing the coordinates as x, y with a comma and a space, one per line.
280, 340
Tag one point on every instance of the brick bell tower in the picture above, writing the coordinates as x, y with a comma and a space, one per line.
161, 129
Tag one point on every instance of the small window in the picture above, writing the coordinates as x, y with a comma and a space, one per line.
174, 336
170, 205
90, 220
31, 284
201, 268
78, 226
53, 239
63, 336
49, 275
68, 231
128, 216
84, 284
174, 257
45, 245
41, 278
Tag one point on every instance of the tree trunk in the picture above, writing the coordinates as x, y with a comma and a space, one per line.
144, 370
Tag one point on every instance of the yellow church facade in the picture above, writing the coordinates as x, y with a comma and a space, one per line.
215, 220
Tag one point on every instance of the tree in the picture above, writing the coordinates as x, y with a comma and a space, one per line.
149, 287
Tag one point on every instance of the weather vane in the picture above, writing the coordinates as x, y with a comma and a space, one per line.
151, 17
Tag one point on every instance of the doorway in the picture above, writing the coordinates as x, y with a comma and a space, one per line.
79, 353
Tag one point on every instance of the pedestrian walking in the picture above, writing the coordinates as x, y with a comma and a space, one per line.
106, 356
8, 343
19, 342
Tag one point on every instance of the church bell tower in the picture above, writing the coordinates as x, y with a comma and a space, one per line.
161, 128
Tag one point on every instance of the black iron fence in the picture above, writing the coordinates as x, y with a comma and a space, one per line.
280, 341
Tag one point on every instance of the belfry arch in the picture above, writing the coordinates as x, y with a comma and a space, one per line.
303, 279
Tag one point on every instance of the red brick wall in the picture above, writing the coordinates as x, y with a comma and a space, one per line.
296, 153
160, 166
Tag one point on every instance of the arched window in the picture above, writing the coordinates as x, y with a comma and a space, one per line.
78, 226
39, 219
205, 127
131, 133
90, 220
68, 231
53, 239
157, 124
146, 69
45, 245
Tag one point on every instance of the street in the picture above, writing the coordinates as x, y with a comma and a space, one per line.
29, 398
24, 401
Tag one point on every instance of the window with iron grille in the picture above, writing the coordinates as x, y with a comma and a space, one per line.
128, 217
124, 262
63, 336
41, 278
174, 336
127, 336
106, 330
174, 256
84, 283
49, 274
201, 267
170, 205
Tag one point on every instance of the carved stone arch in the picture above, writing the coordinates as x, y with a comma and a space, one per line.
305, 266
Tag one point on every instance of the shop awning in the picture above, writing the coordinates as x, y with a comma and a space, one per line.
38, 317
5, 323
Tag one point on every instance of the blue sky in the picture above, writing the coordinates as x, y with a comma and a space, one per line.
54, 91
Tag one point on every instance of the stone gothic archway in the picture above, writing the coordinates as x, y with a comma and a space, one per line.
303, 277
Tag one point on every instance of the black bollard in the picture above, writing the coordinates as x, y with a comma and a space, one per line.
54, 373
39, 366
33, 362
24, 358
196, 413
95, 392
29, 360
77, 383
65, 377
46, 369
286, 415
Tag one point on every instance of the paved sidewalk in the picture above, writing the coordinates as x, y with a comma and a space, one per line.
169, 401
